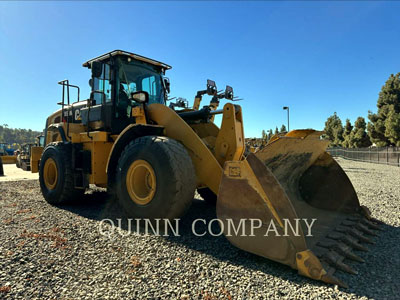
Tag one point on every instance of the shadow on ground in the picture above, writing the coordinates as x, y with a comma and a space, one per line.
96, 205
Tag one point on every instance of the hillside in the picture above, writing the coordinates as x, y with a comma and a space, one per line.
17, 135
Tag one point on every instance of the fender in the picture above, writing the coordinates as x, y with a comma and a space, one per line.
130, 133
58, 127
208, 170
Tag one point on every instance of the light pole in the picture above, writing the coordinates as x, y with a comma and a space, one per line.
287, 108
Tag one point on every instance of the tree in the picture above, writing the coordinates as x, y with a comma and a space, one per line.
263, 135
276, 130
347, 128
359, 137
392, 127
334, 130
383, 128
19, 136
270, 134
283, 128
346, 134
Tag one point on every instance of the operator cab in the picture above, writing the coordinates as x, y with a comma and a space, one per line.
116, 77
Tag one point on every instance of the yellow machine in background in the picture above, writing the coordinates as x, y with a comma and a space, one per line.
152, 158
32, 154
24, 158
6, 153
9, 159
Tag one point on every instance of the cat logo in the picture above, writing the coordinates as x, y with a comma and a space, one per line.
77, 115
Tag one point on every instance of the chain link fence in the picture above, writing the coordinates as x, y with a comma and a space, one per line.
382, 155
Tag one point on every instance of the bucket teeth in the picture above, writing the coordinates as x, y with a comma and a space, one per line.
370, 224
349, 223
329, 278
328, 244
365, 229
355, 233
358, 235
342, 266
335, 259
335, 236
346, 251
352, 242
360, 226
353, 218
327, 267
342, 229
377, 221
341, 248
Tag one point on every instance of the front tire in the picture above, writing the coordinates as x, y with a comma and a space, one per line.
56, 174
155, 178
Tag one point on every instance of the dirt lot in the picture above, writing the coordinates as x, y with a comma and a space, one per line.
58, 252
12, 173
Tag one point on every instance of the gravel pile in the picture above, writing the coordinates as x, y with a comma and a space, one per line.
58, 252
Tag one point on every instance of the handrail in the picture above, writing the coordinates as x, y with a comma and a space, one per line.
65, 83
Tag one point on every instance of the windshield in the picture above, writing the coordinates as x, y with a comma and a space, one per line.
136, 76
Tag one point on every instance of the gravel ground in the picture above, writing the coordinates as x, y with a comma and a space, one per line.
58, 252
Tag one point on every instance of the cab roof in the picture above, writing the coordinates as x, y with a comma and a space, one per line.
128, 54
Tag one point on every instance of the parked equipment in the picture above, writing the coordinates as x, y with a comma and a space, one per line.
7, 153
24, 154
23, 157
152, 158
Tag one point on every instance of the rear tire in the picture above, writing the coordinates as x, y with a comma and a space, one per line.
25, 167
160, 173
56, 174
208, 196
1, 167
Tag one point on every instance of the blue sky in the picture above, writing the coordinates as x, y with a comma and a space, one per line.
316, 57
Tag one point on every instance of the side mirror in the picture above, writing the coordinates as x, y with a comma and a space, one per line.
97, 68
167, 84
140, 97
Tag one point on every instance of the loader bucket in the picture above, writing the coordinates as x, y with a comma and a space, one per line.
9, 159
292, 203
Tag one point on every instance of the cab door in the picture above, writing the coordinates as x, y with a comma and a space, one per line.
102, 95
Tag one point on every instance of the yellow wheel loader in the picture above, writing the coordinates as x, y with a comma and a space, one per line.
289, 202
23, 157
6, 153
25, 153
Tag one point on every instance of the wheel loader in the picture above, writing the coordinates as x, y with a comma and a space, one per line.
24, 154
7, 153
23, 157
152, 157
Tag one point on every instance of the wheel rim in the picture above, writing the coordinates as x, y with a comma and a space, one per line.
50, 174
141, 182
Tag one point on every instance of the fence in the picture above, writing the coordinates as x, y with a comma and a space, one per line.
383, 155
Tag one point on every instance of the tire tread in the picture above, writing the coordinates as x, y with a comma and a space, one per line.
69, 191
184, 179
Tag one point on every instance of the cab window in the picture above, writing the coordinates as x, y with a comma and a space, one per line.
103, 84
136, 76
151, 85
